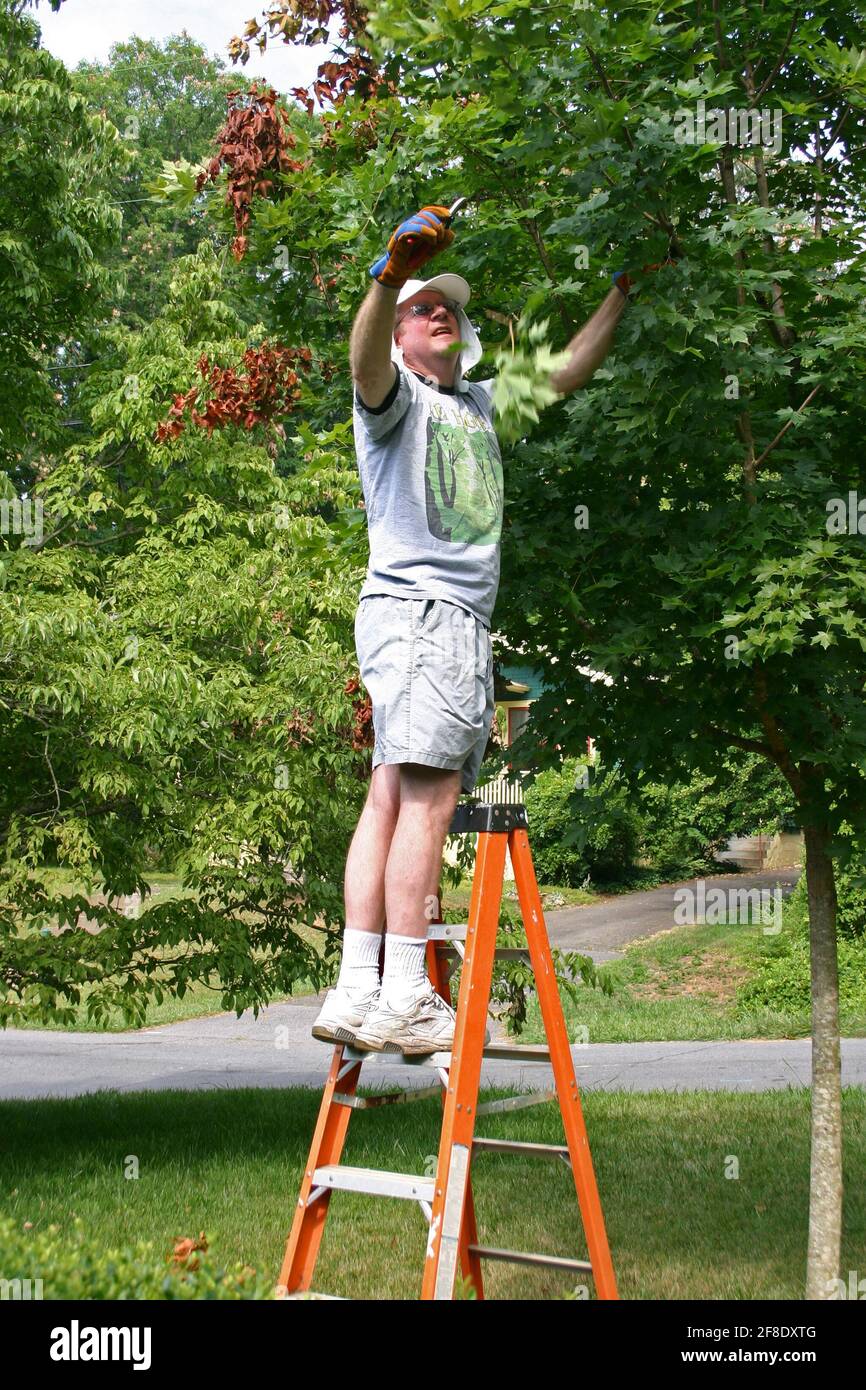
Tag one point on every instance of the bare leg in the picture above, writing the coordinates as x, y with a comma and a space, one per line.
364, 883
428, 796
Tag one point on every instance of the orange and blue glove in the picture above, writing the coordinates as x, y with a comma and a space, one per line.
412, 244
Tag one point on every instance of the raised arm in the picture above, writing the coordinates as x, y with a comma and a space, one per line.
590, 345
370, 344
410, 246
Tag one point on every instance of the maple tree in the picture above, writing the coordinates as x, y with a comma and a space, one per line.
707, 587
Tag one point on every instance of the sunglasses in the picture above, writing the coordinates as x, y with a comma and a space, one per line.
423, 311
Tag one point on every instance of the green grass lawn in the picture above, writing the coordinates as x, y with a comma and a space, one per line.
229, 1163
683, 984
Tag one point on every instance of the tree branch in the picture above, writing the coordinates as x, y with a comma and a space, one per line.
787, 425
778, 747
765, 84
749, 745
744, 426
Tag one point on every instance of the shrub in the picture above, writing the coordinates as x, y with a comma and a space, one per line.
685, 823
71, 1267
850, 898
782, 981
576, 832
783, 978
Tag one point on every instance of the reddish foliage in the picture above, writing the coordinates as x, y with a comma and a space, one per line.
335, 81
305, 22
300, 727
271, 388
253, 144
362, 725
183, 1253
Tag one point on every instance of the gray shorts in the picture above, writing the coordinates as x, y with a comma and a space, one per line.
428, 668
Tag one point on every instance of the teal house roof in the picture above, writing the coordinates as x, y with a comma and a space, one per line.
520, 676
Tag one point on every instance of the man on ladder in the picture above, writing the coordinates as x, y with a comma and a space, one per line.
431, 475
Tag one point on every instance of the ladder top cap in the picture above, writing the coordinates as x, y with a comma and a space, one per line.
488, 818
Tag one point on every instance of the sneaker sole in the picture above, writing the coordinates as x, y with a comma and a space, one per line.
420, 1049
336, 1035
379, 1045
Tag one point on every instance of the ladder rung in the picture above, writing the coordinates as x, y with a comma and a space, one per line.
493, 1052
308, 1293
532, 1150
389, 1098
501, 952
447, 931
497, 1107
517, 1052
375, 1181
523, 1257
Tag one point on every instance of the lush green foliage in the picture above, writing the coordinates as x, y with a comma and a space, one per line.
166, 101
162, 697
58, 160
685, 823
782, 980
703, 523
70, 1265
581, 833
851, 895
599, 830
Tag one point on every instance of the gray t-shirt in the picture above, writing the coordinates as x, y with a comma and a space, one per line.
431, 474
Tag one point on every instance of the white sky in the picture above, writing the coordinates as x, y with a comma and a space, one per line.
87, 29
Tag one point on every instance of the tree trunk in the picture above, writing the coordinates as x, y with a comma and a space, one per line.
825, 1193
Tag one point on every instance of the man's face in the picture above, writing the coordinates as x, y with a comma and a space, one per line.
433, 333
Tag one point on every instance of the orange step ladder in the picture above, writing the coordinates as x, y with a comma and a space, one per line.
446, 1199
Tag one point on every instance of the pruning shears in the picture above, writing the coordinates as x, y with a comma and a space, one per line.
454, 208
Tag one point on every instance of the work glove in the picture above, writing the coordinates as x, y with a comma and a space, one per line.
414, 242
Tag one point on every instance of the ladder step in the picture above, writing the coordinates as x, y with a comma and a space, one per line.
388, 1098
498, 1107
488, 818
375, 1181
493, 1052
517, 1052
520, 1146
501, 952
523, 1257
308, 1293
447, 931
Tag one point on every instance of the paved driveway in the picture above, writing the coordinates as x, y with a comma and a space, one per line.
602, 928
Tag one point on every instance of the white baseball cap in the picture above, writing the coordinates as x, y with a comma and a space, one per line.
456, 288
452, 286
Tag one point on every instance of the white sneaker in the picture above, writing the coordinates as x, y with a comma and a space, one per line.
425, 1025
342, 1014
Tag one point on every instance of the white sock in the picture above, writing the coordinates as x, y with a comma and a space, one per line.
359, 967
405, 972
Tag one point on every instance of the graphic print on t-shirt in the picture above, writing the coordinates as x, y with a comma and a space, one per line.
463, 483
